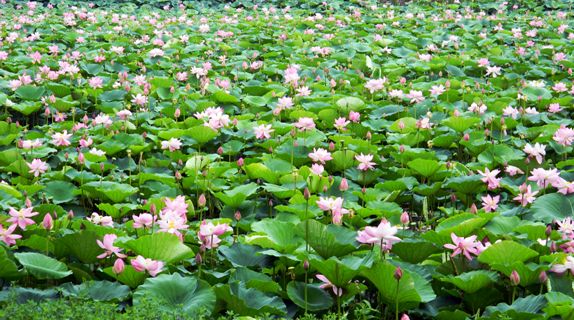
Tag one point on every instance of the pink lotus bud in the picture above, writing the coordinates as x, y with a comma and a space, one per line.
198, 259
453, 197
543, 277
177, 113
20, 144
201, 201
325, 189
553, 247
306, 265
240, 162
71, 214
405, 317
235, 122
447, 84
344, 186
48, 222
363, 190
398, 273
405, 218
153, 209
66, 155
306, 194
28, 203
102, 166
47, 112
473, 209
220, 150
178, 175
403, 80
368, 136
331, 146
514, 278
237, 215
466, 137
401, 148
401, 125
118, 266
548, 230
456, 113
81, 158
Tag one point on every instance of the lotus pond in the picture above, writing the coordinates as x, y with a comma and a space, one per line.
288, 159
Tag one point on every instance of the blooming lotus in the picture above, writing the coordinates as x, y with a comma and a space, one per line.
21, 217
209, 234
383, 235
7, 236
142, 264
37, 167
464, 246
108, 246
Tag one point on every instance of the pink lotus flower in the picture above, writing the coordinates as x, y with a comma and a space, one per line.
105, 221
365, 161
544, 178
139, 100
375, 85
483, 62
526, 195
22, 217
320, 155
37, 167
317, 169
305, 124
383, 235
7, 236
490, 178
30, 144
564, 136
327, 284
493, 71
354, 116
172, 222
465, 246
437, 90
512, 171
285, 103
108, 245
142, 264
566, 228
341, 124
263, 131
124, 114
96, 82
567, 266
490, 203
61, 139
177, 205
538, 151
416, 96
144, 220
209, 234
171, 144
334, 206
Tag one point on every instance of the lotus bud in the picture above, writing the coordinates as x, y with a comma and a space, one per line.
401, 125
447, 84
466, 137
401, 148
153, 209
456, 113
235, 122
473, 209
178, 175
180, 162
514, 278
405, 218
177, 113
240, 162
270, 149
306, 265
344, 186
548, 230
28, 203
237, 215
47, 112
306, 193
543, 277
81, 158
118, 266
198, 259
453, 197
368, 136
405, 317
398, 273
363, 190
71, 214
48, 222
331, 146
553, 247
66, 155
271, 202
486, 132
220, 150
201, 201
102, 166
325, 189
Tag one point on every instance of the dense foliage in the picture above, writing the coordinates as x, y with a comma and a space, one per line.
323, 160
